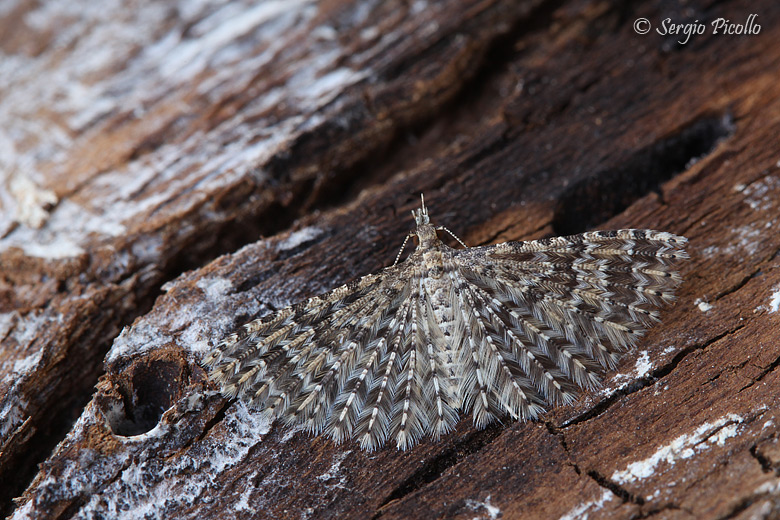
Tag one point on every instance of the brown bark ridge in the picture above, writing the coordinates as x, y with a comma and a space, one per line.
173, 171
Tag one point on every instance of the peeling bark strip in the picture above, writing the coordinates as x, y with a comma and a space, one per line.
140, 142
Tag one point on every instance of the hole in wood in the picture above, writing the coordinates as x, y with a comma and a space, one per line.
147, 389
601, 196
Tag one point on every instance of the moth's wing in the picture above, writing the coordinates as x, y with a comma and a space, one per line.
290, 363
546, 315
405, 383
354, 362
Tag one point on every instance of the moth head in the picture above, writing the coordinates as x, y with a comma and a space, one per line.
425, 232
421, 215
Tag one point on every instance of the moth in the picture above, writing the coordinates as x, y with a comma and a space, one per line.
492, 331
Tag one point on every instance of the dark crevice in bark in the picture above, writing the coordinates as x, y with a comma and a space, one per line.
404, 150
726, 369
152, 388
615, 488
749, 276
768, 370
605, 194
767, 465
737, 286
74, 505
215, 420
558, 433
649, 513
494, 236
736, 511
21, 470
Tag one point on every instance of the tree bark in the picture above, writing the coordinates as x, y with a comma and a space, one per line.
172, 172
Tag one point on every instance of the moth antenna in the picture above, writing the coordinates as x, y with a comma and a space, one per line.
453, 235
400, 251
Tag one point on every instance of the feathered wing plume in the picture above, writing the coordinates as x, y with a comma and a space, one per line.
494, 331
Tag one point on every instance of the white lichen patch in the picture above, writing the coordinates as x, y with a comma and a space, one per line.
19, 333
27, 363
7, 320
748, 239
486, 510
703, 305
64, 233
321, 89
333, 477
32, 201
215, 288
201, 323
763, 194
160, 430
582, 511
772, 305
774, 300
297, 238
643, 364
11, 416
725, 433
290, 433
745, 241
642, 367
191, 324
683, 447
144, 336
150, 487
243, 504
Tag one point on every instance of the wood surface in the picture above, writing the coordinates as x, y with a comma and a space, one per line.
170, 171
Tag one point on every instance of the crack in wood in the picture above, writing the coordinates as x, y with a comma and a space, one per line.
215, 420
768, 370
767, 464
560, 435
748, 277
641, 173
749, 501
500, 231
615, 488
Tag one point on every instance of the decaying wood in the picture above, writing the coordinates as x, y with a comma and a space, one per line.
317, 126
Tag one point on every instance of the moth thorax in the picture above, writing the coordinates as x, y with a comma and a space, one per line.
426, 234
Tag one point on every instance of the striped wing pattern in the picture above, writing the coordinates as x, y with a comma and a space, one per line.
494, 331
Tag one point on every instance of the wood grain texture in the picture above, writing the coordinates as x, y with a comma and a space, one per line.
146, 146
